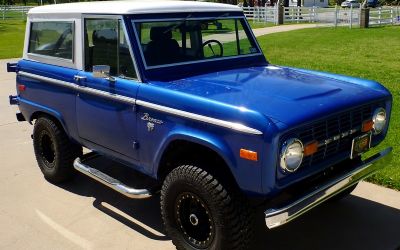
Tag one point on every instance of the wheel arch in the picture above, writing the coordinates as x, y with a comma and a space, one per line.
56, 117
215, 156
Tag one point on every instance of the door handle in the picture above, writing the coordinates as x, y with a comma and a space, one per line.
79, 78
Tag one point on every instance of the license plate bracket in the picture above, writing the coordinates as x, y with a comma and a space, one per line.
360, 145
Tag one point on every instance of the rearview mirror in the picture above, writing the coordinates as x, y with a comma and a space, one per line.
102, 71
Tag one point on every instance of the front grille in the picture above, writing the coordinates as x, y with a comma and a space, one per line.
329, 128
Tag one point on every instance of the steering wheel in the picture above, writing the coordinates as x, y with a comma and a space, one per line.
208, 43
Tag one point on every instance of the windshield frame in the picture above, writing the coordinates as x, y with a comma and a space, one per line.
189, 17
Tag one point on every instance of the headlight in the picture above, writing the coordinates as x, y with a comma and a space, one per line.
379, 119
291, 155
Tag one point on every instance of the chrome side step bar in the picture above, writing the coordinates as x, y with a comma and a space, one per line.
111, 182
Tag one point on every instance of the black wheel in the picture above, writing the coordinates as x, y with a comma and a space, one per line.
199, 213
54, 151
344, 193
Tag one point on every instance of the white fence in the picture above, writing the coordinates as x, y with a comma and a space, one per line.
349, 17
298, 14
323, 16
385, 16
14, 12
262, 14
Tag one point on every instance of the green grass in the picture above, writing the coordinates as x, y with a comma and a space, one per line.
368, 53
11, 38
257, 25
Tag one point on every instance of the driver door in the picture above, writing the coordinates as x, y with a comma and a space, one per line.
106, 117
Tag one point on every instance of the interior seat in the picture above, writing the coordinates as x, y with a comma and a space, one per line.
105, 49
162, 49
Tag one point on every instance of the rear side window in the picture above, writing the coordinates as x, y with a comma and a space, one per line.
53, 39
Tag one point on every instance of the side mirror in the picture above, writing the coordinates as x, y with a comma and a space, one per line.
102, 71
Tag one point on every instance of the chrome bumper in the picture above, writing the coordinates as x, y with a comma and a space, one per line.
276, 217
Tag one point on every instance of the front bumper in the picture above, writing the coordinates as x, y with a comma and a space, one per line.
275, 217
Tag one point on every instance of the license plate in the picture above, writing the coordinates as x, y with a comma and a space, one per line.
360, 145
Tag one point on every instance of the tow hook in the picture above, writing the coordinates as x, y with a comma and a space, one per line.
13, 100
12, 67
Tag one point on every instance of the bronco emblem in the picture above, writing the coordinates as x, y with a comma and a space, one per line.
147, 117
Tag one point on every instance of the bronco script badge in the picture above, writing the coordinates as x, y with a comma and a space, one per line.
151, 121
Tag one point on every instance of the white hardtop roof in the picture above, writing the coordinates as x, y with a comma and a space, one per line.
131, 7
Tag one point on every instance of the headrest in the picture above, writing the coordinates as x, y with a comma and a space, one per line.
160, 33
104, 35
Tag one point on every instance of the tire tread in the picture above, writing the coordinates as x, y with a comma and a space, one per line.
66, 151
237, 214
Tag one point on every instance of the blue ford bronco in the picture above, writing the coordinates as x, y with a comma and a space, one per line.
181, 93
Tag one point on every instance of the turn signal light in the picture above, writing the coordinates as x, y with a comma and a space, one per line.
310, 148
367, 126
248, 155
21, 87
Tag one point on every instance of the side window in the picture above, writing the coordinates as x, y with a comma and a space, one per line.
52, 39
106, 44
246, 46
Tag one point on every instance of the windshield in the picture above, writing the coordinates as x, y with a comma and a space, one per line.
187, 41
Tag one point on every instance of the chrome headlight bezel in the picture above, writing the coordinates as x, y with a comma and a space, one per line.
286, 146
380, 120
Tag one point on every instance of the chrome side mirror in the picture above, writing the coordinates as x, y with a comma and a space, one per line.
102, 71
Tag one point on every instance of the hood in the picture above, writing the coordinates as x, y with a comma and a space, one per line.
288, 95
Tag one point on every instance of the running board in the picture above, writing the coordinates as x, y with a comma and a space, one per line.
111, 182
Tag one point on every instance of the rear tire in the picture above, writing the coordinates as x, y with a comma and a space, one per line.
54, 151
200, 213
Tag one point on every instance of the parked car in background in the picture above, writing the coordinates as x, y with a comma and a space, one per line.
350, 3
181, 92
373, 3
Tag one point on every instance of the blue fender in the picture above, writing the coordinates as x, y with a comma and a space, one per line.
199, 137
29, 109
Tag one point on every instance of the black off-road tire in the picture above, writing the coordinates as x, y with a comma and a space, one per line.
189, 188
54, 151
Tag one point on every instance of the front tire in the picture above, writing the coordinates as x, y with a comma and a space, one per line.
54, 151
200, 213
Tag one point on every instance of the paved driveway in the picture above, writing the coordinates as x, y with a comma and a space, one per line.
35, 214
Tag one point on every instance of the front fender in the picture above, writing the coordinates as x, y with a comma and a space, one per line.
199, 137
247, 174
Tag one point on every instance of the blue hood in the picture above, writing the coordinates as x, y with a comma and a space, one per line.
289, 95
